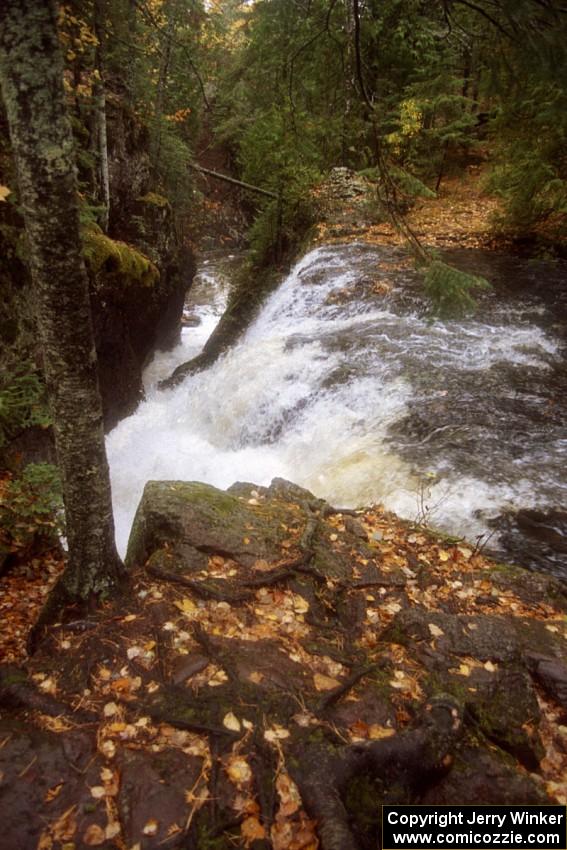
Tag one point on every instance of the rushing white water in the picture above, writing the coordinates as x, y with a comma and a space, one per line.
314, 392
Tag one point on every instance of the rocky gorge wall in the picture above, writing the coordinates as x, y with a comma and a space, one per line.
139, 273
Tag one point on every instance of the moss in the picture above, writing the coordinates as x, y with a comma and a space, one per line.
104, 254
14, 677
208, 838
154, 199
201, 494
510, 570
363, 799
440, 683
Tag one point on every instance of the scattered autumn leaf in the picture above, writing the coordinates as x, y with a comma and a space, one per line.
52, 793
98, 792
276, 733
187, 606
94, 835
252, 830
238, 770
151, 827
377, 732
230, 721
324, 683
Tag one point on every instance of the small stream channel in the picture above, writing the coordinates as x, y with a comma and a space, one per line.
345, 385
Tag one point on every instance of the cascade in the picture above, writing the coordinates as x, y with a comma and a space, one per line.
345, 385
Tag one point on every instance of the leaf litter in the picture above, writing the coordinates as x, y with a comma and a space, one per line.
156, 627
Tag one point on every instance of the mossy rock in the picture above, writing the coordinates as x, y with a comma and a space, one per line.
197, 518
104, 254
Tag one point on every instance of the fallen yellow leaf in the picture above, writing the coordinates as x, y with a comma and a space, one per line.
324, 683
151, 827
252, 830
230, 721
377, 732
94, 835
186, 605
238, 770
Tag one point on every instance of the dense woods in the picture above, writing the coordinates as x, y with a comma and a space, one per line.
134, 136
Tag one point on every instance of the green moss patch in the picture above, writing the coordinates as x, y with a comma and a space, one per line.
104, 254
154, 199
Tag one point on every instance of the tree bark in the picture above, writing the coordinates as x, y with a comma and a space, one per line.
31, 74
99, 105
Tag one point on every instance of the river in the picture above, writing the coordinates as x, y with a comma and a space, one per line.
345, 384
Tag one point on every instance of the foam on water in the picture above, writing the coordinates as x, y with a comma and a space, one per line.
311, 393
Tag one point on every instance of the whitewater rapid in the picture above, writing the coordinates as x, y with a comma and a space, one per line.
321, 383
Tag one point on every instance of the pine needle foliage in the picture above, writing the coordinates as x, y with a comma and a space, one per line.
450, 289
22, 404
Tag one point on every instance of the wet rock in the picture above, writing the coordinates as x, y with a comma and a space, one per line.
355, 527
536, 538
530, 587
190, 320
33, 764
552, 674
245, 490
198, 518
282, 489
271, 669
305, 652
188, 665
488, 638
133, 315
153, 789
484, 777
505, 706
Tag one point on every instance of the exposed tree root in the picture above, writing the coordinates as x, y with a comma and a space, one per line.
206, 590
201, 589
16, 691
408, 759
551, 674
337, 693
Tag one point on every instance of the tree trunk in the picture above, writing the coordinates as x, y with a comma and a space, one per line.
99, 105
31, 73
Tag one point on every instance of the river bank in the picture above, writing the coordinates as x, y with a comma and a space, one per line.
264, 633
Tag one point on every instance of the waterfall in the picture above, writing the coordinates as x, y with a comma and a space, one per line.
345, 385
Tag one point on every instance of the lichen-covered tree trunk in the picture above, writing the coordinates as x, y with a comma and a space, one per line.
100, 142
31, 74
